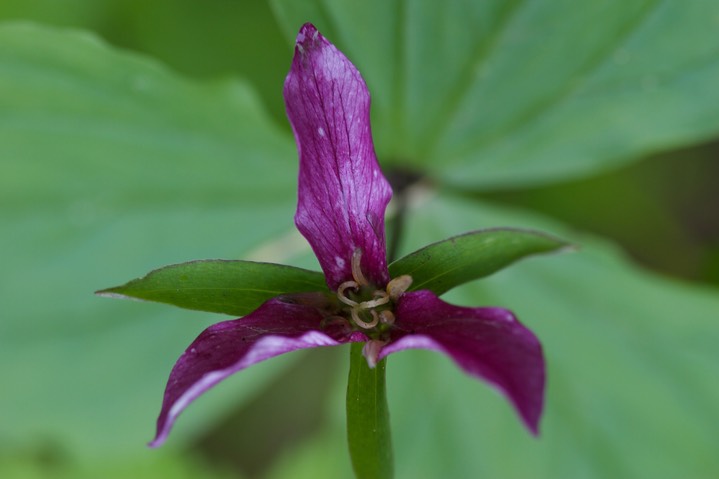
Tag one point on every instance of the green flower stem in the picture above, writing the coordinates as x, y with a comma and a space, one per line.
368, 429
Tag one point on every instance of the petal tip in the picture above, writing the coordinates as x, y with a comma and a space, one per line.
307, 37
531, 422
163, 431
157, 442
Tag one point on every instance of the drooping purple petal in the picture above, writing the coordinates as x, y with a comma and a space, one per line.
342, 192
275, 328
488, 343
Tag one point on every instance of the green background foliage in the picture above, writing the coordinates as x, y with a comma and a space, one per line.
137, 134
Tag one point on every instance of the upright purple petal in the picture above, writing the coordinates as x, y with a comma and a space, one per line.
225, 348
488, 343
342, 192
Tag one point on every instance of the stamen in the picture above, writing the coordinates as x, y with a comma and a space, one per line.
383, 298
357, 268
398, 286
364, 324
341, 292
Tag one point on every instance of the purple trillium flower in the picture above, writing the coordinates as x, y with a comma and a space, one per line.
340, 211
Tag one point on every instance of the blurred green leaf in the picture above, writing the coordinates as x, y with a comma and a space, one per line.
111, 164
446, 264
65, 13
631, 367
153, 466
205, 39
76, 117
219, 286
324, 455
500, 93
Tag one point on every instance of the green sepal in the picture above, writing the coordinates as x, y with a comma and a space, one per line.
219, 286
441, 266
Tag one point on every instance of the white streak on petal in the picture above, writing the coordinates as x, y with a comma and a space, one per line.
266, 348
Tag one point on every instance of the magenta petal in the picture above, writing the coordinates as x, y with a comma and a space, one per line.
225, 348
488, 343
342, 192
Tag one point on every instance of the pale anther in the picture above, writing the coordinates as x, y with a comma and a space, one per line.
398, 286
357, 268
386, 317
341, 292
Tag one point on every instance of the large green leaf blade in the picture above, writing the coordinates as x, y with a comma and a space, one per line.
446, 264
501, 93
219, 286
112, 164
134, 130
631, 365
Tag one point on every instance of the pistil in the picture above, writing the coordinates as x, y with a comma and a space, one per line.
384, 299
363, 324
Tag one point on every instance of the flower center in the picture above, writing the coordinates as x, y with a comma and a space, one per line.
369, 308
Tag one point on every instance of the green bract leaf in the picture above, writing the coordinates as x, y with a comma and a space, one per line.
441, 266
501, 92
219, 286
112, 164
